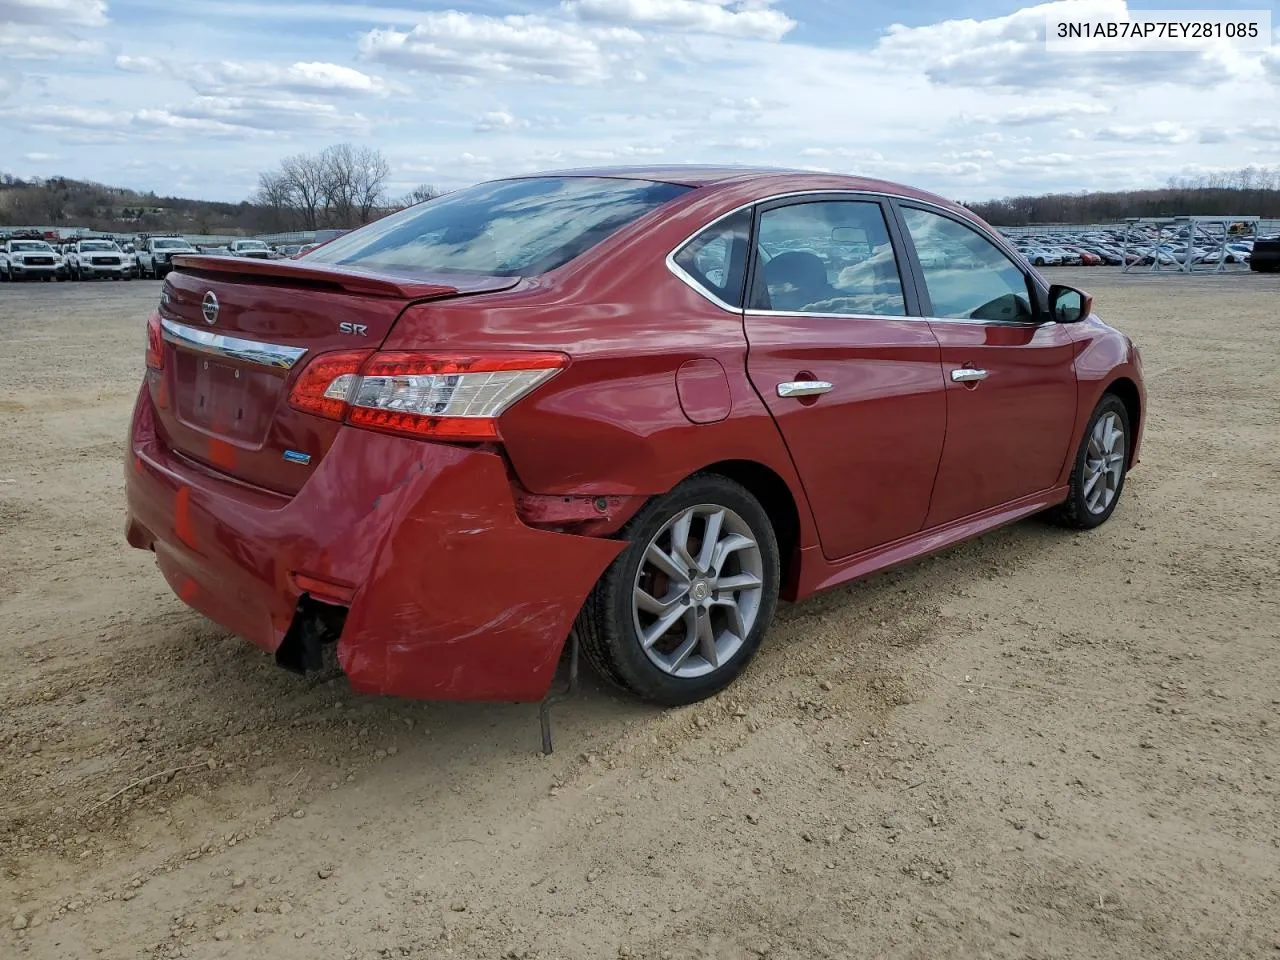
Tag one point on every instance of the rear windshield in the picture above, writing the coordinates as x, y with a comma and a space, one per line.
504, 229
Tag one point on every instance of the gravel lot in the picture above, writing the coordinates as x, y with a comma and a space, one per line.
1040, 744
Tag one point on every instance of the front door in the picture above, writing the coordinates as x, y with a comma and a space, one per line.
1010, 376
852, 380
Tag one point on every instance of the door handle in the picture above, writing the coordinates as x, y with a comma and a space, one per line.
968, 375
803, 388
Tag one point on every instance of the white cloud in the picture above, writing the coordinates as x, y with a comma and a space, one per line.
747, 20
1042, 113
1009, 52
498, 120
228, 117
740, 143
1268, 131
24, 43
37, 157
1163, 131
58, 13
514, 47
847, 153
1039, 161
229, 76
139, 64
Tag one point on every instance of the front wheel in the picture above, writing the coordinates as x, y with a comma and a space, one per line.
1098, 475
684, 607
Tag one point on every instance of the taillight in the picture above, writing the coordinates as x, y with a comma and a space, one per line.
447, 397
155, 343
325, 383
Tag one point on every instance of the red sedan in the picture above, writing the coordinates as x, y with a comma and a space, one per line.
642, 403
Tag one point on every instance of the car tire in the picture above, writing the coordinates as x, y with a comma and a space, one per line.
1100, 467
653, 581
1039, 262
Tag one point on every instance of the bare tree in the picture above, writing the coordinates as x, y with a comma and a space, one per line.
277, 198
420, 193
306, 178
342, 186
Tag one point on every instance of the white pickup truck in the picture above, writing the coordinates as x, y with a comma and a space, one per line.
257, 249
155, 255
29, 260
87, 259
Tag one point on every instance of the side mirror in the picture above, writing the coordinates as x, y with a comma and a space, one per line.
1068, 305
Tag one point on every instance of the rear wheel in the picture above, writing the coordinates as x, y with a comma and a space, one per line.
1097, 478
684, 607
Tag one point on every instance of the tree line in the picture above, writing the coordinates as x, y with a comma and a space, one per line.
345, 186
342, 186
1252, 191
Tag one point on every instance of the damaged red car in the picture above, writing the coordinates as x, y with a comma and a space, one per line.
643, 404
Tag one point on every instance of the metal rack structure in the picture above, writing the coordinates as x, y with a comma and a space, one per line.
1214, 232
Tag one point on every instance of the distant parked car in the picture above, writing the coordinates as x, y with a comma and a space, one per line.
256, 249
155, 255
1265, 257
30, 260
98, 259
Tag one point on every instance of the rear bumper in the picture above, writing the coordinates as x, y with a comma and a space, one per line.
452, 597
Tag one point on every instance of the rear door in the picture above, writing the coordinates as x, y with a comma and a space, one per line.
1010, 373
852, 379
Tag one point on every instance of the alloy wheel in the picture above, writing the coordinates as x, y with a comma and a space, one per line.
698, 591
1104, 463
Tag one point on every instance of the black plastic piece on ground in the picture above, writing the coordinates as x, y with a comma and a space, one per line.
544, 709
314, 625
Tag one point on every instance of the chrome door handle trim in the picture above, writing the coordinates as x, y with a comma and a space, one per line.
803, 388
968, 375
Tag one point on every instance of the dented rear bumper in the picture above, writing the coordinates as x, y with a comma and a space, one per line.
450, 595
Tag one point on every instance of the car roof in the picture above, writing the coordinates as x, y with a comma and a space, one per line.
704, 175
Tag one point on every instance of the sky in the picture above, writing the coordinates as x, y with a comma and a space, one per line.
196, 97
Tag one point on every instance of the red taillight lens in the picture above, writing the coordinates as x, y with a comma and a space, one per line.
155, 343
448, 397
326, 382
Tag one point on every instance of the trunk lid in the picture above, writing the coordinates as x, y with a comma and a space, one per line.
238, 332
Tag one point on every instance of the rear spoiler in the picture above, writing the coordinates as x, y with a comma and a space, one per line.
302, 273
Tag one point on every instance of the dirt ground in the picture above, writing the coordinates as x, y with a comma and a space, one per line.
1040, 744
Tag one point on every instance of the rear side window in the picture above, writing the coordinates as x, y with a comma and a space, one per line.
506, 228
829, 256
716, 259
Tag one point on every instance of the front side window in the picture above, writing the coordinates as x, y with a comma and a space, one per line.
830, 256
968, 276
716, 259
507, 228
